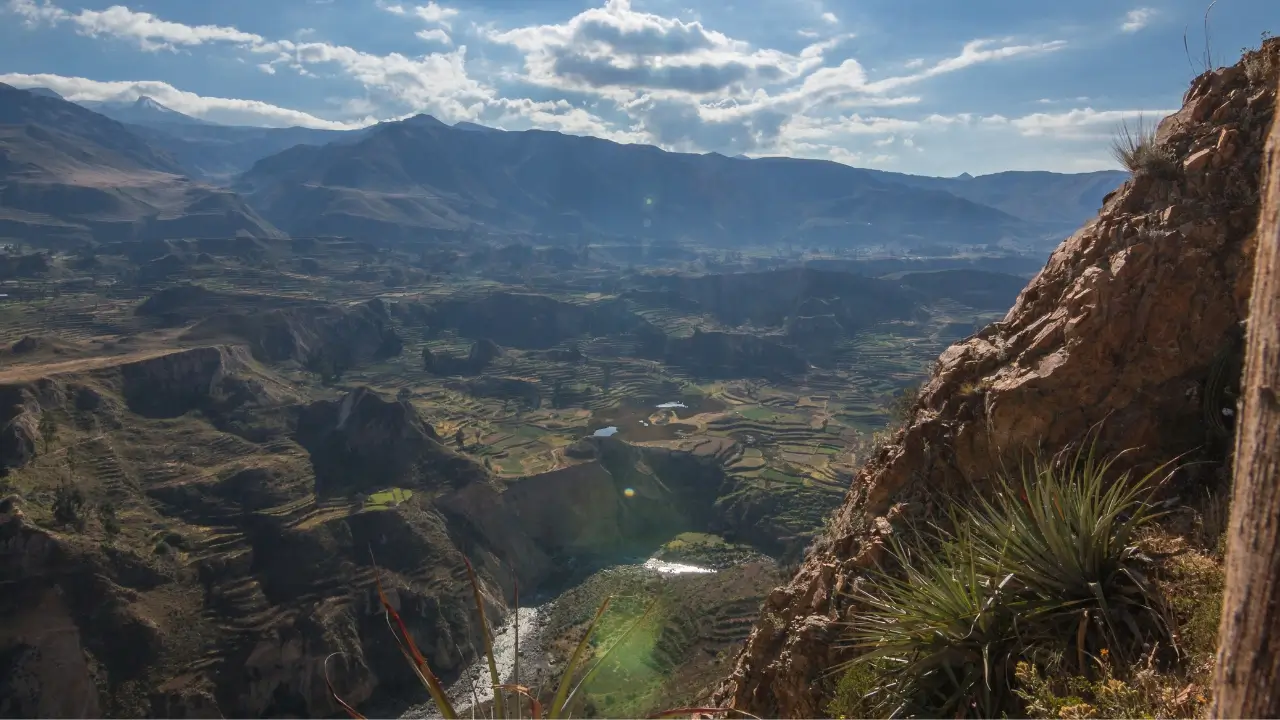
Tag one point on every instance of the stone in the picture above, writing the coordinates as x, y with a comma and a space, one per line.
1198, 161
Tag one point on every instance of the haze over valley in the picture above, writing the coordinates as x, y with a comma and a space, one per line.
268, 371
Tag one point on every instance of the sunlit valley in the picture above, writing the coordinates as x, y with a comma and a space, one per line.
277, 397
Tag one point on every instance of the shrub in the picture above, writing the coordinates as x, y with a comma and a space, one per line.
899, 406
1146, 693
1068, 537
1049, 565
1136, 149
107, 515
941, 636
68, 501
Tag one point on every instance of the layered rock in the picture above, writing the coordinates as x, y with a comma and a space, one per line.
313, 335
364, 443
1129, 329
722, 354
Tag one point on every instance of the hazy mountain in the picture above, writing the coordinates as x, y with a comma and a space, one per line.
220, 152
406, 178
409, 178
1064, 199
68, 173
143, 111
473, 126
46, 92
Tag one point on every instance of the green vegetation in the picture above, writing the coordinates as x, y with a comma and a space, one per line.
48, 430
577, 672
68, 503
1043, 579
386, 499
107, 516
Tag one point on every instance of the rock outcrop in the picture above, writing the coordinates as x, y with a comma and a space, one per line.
314, 335
365, 443
530, 321
482, 352
1129, 328
722, 354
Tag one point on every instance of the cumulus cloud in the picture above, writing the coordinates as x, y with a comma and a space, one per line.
435, 35
622, 52
145, 29
434, 13
610, 71
436, 82
1136, 19
230, 111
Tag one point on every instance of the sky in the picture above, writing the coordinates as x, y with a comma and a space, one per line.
933, 87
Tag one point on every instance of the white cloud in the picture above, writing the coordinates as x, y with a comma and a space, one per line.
622, 53
610, 71
145, 29
231, 111
435, 35
1136, 19
1082, 122
434, 13
436, 82
974, 52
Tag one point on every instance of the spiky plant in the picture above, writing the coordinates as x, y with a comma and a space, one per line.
1049, 564
1067, 534
940, 634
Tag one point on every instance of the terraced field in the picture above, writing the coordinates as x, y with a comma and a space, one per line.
210, 499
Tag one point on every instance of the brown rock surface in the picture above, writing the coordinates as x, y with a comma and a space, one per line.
1121, 327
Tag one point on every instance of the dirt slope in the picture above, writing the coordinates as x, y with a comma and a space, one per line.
1134, 321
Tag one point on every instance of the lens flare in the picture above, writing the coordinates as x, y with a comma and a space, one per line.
629, 492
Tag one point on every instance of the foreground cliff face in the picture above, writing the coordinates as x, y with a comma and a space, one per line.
1132, 327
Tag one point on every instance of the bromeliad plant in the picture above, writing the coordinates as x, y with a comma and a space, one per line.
1068, 536
566, 690
1048, 564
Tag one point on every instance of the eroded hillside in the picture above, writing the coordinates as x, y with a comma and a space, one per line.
1133, 327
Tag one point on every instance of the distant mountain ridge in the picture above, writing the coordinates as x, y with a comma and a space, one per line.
418, 177
143, 111
69, 174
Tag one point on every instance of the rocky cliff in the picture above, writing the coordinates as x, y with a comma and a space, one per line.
1132, 327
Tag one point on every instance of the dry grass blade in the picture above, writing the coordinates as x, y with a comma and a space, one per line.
1137, 150
535, 707
605, 656
409, 650
701, 711
498, 703
515, 628
351, 712
562, 691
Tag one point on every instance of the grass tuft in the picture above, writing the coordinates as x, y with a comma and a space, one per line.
1137, 150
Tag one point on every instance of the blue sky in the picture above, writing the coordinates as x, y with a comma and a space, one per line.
934, 87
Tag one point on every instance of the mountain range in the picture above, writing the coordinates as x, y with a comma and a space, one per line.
68, 175
141, 169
